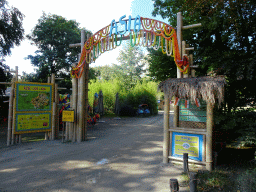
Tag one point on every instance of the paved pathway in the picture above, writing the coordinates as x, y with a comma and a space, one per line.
120, 155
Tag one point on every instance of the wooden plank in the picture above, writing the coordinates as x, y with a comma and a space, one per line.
192, 26
186, 130
189, 160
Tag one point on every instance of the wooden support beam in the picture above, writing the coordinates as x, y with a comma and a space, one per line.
59, 78
189, 48
192, 26
75, 45
166, 129
209, 127
59, 88
6, 83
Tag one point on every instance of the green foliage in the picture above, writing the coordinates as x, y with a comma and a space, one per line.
216, 180
132, 63
52, 35
161, 66
4, 77
246, 181
238, 126
142, 93
224, 45
11, 30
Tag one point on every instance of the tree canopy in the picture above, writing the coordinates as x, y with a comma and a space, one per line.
12, 33
225, 44
52, 35
132, 62
11, 29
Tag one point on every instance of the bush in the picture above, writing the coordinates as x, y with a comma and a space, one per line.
246, 181
237, 126
144, 92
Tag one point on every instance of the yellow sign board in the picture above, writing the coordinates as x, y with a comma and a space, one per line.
68, 116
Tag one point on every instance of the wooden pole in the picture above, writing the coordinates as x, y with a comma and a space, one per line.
13, 123
74, 105
86, 96
57, 112
209, 126
179, 38
193, 71
54, 107
10, 114
46, 135
81, 97
166, 129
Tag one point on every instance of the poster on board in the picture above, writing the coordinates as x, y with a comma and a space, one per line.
32, 122
187, 143
33, 107
33, 97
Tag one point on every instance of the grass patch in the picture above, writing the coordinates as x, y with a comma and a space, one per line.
217, 180
33, 138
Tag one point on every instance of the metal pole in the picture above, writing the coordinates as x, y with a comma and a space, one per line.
185, 162
54, 107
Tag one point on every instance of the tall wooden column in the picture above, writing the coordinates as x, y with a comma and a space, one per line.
81, 96
209, 126
166, 128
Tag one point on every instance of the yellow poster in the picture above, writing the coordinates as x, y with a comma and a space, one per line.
187, 144
32, 122
68, 116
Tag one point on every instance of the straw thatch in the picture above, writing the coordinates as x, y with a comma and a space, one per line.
210, 89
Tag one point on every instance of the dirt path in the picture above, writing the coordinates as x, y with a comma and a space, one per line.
120, 155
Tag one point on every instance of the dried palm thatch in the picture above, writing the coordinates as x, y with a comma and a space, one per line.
210, 89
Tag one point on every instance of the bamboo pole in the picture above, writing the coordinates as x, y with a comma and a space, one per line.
54, 107
81, 97
209, 126
166, 129
74, 105
179, 38
46, 136
10, 114
193, 71
86, 97
57, 112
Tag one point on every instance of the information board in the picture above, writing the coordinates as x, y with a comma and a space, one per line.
33, 107
192, 112
68, 116
33, 97
32, 122
187, 143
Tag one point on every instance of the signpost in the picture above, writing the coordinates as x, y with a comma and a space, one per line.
33, 107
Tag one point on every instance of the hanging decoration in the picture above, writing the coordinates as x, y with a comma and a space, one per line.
144, 32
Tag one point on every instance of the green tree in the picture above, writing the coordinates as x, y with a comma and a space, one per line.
161, 66
52, 35
131, 61
12, 33
11, 29
225, 44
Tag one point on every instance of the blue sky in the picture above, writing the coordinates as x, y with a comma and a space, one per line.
93, 15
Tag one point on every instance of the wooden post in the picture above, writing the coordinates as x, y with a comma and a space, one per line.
209, 126
57, 112
179, 38
193, 71
74, 105
166, 129
10, 114
86, 97
46, 136
81, 96
54, 107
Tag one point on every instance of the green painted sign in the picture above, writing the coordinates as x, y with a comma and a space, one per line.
192, 112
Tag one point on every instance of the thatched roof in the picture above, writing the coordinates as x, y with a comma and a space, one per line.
207, 88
